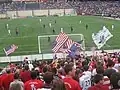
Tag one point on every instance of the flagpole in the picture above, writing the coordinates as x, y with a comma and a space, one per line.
8, 58
74, 63
7, 55
64, 55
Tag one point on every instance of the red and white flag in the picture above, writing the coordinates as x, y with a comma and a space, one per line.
10, 49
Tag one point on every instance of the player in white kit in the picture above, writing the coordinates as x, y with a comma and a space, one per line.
112, 27
50, 25
9, 32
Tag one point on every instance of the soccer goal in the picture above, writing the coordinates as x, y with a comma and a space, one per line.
45, 43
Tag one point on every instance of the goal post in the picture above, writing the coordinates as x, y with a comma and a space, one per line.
45, 46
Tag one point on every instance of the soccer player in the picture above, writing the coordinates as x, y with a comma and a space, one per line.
61, 29
33, 84
80, 22
9, 32
7, 26
40, 20
69, 82
17, 32
53, 31
86, 26
43, 25
48, 39
112, 27
50, 25
71, 29
55, 21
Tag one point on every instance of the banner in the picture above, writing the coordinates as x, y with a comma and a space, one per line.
101, 37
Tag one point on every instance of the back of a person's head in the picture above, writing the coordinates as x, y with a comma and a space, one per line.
26, 67
54, 71
16, 86
8, 71
16, 75
110, 63
48, 77
3, 71
58, 84
33, 74
99, 64
68, 68
85, 67
115, 80
45, 69
100, 70
98, 78
62, 64
109, 72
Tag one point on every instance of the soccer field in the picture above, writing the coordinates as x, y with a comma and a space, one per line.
31, 28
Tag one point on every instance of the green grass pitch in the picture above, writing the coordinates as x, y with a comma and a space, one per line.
31, 28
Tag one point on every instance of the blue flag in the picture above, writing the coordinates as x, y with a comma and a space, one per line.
73, 50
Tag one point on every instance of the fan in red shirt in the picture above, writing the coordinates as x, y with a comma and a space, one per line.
70, 83
4, 74
25, 75
33, 84
98, 80
1, 87
7, 80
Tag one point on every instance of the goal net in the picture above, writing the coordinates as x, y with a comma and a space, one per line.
45, 43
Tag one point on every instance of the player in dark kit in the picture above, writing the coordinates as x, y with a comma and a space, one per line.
55, 21
43, 25
17, 31
86, 26
71, 29
53, 31
48, 39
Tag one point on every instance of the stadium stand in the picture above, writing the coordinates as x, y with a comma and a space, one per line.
86, 7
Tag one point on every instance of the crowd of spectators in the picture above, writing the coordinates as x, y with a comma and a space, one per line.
87, 7
97, 72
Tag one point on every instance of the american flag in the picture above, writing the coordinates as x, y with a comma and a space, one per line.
61, 36
63, 43
10, 49
66, 46
60, 39
69, 43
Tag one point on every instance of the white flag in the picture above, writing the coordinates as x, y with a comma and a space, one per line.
101, 37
